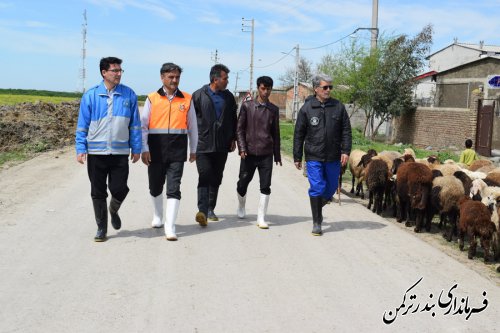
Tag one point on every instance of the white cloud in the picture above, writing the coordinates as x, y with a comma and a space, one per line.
155, 7
209, 17
36, 43
36, 24
23, 24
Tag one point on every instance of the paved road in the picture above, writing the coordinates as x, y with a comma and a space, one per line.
228, 277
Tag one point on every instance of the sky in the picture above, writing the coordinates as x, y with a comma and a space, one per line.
41, 41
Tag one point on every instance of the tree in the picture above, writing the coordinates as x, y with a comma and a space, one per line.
400, 62
379, 81
353, 71
305, 73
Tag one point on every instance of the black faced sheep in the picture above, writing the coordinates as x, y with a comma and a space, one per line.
475, 221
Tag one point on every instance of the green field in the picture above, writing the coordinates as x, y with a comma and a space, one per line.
10, 99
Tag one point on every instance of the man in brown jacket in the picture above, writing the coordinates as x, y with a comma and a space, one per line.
258, 136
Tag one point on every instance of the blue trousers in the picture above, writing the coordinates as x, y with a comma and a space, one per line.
323, 178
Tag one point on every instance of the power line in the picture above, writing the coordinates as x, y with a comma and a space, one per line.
277, 61
338, 40
307, 49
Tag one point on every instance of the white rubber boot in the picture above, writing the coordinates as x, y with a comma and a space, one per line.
261, 212
241, 206
171, 217
158, 211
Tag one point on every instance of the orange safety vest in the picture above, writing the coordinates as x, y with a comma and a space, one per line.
169, 117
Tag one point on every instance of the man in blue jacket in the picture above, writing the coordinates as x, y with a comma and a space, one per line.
108, 130
323, 132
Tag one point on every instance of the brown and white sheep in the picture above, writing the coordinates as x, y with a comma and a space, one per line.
477, 164
446, 193
493, 178
475, 221
356, 168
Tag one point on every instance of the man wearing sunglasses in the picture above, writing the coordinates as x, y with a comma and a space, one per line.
323, 133
108, 130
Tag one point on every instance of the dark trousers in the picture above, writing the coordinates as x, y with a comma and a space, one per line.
172, 172
108, 171
247, 169
210, 170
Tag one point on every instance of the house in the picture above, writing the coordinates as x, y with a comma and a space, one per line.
458, 54
303, 91
278, 97
425, 89
456, 100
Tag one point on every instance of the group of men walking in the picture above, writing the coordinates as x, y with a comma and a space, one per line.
110, 128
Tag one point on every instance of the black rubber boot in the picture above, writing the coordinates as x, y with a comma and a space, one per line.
212, 201
101, 218
201, 216
317, 215
114, 205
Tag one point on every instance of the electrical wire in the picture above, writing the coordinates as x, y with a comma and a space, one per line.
277, 61
319, 47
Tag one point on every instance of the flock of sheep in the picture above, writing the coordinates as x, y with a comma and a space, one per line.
465, 197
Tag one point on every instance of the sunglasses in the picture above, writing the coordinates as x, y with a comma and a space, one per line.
327, 87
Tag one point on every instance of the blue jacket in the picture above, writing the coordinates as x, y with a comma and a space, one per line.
101, 133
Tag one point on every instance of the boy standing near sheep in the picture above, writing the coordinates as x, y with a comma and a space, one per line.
468, 155
324, 127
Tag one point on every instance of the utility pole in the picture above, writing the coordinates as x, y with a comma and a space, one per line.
215, 57
295, 109
236, 83
374, 25
84, 38
251, 50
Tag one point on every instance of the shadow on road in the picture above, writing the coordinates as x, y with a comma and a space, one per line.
353, 225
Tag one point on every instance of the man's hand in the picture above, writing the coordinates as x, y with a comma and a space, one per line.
243, 155
279, 162
135, 157
146, 158
233, 145
343, 159
298, 165
192, 158
81, 158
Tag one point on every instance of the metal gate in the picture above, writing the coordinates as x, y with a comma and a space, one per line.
484, 129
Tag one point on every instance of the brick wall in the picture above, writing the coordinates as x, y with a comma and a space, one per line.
437, 127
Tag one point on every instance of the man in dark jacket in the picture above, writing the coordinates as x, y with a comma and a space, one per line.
215, 108
324, 126
258, 135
